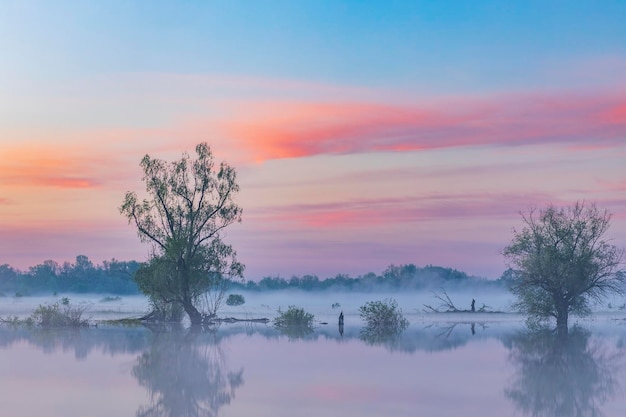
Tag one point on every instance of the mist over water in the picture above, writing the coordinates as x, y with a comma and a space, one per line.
443, 364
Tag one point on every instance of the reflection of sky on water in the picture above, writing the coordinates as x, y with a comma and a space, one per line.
354, 379
34, 383
440, 368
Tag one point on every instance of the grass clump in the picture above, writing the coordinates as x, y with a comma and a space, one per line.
59, 315
383, 316
235, 300
109, 298
55, 315
125, 322
293, 316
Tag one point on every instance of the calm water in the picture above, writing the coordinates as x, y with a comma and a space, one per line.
475, 366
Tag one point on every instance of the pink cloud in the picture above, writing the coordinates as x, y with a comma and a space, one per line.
617, 114
287, 129
613, 186
372, 212
26, 245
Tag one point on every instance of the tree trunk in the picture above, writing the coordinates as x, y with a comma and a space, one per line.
193, 313
562, 313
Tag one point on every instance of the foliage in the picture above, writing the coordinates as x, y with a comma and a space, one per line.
235, 300
112, 277
294, 316
117, 277
394, 278
109, 299
15, 321
61, 314
383, 316
190, 203
52, 315
561, 263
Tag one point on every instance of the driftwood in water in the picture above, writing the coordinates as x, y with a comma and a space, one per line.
236, 320
447, 306
155, 317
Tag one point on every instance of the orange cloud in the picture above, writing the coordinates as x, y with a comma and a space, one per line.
287, 129
42, 167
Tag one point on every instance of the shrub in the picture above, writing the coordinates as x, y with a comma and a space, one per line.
384, 316
59, 315
235, 300
294, 316
109, 298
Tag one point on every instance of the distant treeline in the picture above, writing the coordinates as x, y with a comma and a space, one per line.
116, 277
395, 277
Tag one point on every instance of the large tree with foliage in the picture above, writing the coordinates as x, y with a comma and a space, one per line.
190, 202
562, 262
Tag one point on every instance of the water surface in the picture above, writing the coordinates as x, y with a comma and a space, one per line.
436, 368
442, 365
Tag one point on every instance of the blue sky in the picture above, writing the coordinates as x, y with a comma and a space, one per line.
364, 133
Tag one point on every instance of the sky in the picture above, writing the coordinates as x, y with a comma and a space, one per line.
363, 133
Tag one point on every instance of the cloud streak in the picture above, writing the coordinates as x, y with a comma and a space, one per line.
373, 212
61, 166
289, 129
35, 175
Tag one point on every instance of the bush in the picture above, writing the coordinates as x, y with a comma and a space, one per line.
235, 300
294, 316
109, 298
59, 315
384, 316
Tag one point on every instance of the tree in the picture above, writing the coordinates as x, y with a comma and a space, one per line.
190, 203
561, 262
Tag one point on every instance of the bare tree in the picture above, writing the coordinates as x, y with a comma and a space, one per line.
561, 262
190, 203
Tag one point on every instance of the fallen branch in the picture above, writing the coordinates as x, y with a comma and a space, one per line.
236, 320
447, 306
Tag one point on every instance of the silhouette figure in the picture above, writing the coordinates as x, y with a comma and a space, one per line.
473, 305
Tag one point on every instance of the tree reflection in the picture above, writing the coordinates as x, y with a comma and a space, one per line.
389, 338
186, 376
560, 374
296, 332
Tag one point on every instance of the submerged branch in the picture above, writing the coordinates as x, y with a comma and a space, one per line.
447, 306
